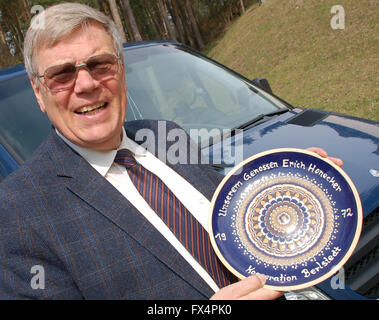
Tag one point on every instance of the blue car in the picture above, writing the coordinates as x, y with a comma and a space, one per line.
170, 81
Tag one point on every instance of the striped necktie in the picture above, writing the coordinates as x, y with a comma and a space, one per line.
180, 221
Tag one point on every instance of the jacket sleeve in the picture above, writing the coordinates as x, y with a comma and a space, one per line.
29, 269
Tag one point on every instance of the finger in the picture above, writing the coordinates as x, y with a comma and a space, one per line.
247, 285
337, 161
262, 294
240, 288
319, 151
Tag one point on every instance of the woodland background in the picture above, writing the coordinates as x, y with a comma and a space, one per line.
193, 22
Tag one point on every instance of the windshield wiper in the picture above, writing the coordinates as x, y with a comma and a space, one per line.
259, 118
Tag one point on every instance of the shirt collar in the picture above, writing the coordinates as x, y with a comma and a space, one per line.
101, 161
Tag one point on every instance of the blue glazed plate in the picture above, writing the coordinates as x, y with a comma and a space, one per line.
288, 214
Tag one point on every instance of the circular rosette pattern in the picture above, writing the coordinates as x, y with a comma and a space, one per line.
285, 221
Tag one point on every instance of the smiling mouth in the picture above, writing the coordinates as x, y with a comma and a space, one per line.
91, 110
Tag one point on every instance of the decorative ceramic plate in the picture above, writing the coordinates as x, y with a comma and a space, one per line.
288, 214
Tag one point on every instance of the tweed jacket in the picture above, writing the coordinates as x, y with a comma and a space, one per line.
86, 239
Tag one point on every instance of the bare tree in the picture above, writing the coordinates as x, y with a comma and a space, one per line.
117, 18
132, 21
242, 6
199, 38
2, 37
154, 17
164, 15
175, 13
187, 28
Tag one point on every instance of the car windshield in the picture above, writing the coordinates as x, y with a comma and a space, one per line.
172, 83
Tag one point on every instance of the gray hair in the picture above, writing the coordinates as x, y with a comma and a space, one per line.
58, 21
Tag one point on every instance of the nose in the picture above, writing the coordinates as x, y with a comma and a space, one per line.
84, 81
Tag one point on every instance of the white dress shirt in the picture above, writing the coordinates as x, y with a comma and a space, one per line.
117, 175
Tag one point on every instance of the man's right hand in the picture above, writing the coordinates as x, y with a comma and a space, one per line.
250, 288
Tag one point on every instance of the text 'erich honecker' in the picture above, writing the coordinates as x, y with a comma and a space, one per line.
285, 163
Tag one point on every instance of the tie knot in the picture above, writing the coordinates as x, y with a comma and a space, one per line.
125, 158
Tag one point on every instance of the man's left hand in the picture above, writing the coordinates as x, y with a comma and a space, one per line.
322, 153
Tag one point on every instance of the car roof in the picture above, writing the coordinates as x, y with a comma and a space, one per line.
127, 45
11, 72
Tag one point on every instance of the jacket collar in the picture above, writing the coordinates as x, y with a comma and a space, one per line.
101, 161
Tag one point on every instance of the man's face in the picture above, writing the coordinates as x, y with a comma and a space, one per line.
90, 114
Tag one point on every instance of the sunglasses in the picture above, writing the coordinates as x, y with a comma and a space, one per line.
62, 77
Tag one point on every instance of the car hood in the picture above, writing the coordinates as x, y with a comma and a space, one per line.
353, 140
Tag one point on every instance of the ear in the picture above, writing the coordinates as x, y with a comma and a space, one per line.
124, 75
37, 92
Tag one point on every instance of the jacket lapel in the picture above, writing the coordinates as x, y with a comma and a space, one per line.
87, 184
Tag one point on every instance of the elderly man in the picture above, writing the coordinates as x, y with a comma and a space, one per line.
73, 223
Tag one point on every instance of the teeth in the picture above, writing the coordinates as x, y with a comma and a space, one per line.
90, 108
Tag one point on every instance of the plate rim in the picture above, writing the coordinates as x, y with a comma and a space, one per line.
333, 270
